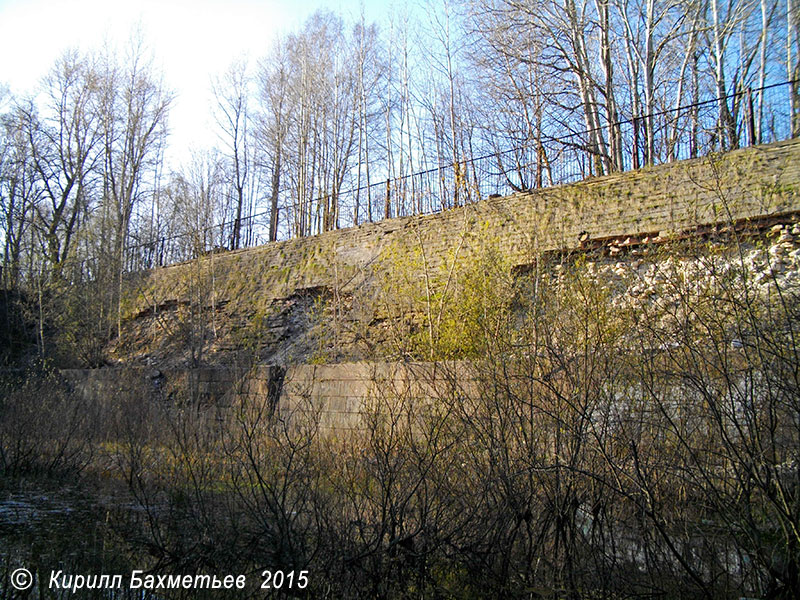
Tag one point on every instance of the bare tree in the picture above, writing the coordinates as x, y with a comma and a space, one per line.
311, 152
63, 143
232, 93
793, 61
19, 193
135, 107
371, 75
275, 116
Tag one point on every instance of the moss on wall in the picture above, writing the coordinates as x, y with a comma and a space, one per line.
232, 294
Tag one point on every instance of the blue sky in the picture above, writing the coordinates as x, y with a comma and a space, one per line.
191, 40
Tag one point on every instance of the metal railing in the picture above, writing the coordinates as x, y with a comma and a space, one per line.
747, 117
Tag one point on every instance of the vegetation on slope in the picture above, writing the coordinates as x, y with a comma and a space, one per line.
622, 429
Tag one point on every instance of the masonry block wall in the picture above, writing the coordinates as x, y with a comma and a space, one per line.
669, 198
276, 285
347, 397
272, 289
337, 398
262, 297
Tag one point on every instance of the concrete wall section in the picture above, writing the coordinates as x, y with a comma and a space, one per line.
355, 396
336, 397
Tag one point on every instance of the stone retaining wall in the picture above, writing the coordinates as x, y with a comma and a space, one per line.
338, 397
660, 200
